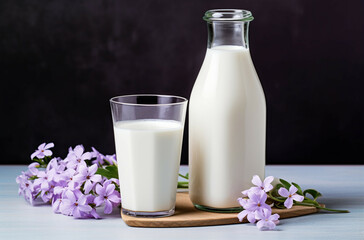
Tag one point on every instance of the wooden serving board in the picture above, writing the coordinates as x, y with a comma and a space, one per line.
186, 215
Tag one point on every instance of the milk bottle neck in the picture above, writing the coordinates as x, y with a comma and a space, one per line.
228, 27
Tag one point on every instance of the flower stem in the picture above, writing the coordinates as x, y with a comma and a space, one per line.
274, 198
333, 210
185, 177
320, 207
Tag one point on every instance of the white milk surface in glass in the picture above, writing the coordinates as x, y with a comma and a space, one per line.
148, 154
227, 122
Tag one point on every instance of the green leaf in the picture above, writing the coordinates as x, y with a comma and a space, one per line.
279, 185
183, 176
286, 184
313, 192
33, 177
114, 170
299, 189
108, 172
47, 159
40, 161
182, 185
274, 191
117, 187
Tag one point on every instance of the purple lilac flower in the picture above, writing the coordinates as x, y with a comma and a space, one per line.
43, 179
33, 168
88, 176
55, 169
56, 203
76, 157
267, 220
265, 186
68, 174
107, 195
57, 164
42, 151
61, 187
93, 213
46, 184
255, 203
26, 188
99, 158
249, 214
75, 204
47, 194
21, 180
60, 183
255, 207
68, 177
261, 186
111, 159
114, 180
290, 195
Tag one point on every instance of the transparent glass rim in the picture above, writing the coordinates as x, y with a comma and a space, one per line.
114, 101
228, 15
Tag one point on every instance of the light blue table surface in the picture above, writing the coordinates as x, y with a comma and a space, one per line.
342, 187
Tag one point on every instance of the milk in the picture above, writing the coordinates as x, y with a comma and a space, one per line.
227, 122
148, 154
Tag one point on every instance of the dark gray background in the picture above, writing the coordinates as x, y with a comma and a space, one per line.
61, 61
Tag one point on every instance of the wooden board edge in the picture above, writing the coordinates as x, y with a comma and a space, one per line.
138, 222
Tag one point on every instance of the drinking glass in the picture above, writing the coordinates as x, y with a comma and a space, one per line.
148, 131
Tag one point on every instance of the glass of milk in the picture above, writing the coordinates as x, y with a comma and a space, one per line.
148, 131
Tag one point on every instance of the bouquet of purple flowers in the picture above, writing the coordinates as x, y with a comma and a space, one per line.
257, 201
74, 186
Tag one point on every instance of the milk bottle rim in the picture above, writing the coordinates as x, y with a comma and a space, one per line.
229, 15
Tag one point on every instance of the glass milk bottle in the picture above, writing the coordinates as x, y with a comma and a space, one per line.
227, 115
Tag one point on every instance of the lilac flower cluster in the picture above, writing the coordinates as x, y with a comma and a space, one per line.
70, 185
255, 207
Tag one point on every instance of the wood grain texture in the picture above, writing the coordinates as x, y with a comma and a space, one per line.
187, 215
